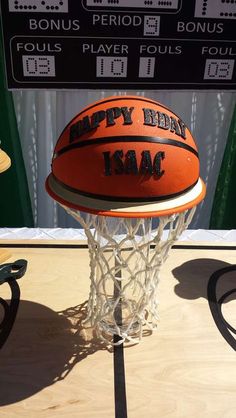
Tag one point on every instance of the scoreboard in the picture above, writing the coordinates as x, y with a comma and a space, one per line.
124, 44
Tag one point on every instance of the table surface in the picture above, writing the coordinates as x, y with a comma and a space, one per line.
78, 234
51, 367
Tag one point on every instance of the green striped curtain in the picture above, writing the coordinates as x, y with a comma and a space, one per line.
15, 204
223, 215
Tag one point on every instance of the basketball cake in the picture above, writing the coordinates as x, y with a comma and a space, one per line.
126, 156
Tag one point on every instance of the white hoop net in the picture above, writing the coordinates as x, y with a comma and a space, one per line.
126, 255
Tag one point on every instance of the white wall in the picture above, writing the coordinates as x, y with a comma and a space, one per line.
42, 115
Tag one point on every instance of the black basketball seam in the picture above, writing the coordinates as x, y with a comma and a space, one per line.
145, 199
113, 100
114, 139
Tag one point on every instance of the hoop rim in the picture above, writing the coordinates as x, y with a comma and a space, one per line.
123, 209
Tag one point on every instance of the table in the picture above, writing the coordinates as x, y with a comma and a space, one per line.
51, 367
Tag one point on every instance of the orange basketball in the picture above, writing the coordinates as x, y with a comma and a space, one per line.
126, 156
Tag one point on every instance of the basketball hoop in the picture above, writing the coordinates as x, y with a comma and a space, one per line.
139, 192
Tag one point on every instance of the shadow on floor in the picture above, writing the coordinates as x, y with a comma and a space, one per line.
43, 348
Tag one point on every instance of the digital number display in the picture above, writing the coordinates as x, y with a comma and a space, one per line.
38, 65
216, 69
146, 67
115, 67
129, 63
151, 26
171, 5
218, 9
38, 6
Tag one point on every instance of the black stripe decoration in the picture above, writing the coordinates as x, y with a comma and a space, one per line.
84, 246
128, 138
216, 305
119, 380
146, 199
70, 246
119, 363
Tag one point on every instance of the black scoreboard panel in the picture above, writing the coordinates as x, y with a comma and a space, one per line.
124, 44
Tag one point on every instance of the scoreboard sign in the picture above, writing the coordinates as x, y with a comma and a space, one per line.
124, 44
